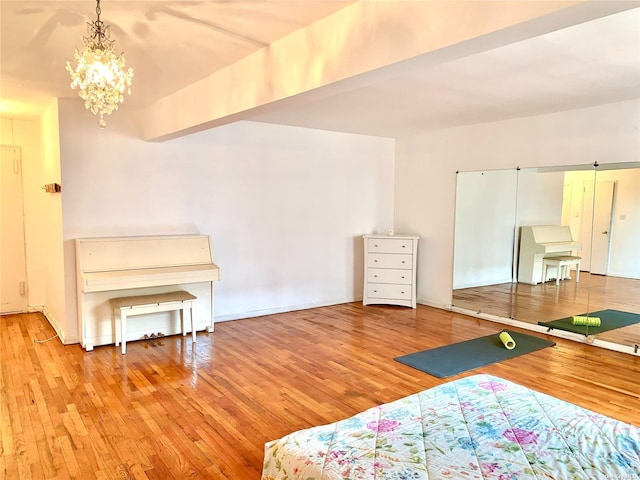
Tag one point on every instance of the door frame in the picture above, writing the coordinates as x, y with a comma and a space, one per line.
18, 169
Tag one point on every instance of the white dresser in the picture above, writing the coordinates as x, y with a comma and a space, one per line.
390, 269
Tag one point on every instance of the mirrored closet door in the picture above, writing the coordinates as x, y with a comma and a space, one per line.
483, 267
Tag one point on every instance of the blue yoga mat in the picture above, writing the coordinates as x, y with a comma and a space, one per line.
609, 320
460, 357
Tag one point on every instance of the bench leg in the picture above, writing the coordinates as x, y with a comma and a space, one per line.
188, 307
115, 318
193, 328
123, 330
211, 326
578, 272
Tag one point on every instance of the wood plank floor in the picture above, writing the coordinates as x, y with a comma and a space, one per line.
548, 301
171, 409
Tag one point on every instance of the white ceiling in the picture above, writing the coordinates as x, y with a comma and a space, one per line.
585, 65
171, 44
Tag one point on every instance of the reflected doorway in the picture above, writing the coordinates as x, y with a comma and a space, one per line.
601, 232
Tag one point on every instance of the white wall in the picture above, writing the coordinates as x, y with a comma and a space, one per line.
426, 166
285, 207
38, 140
624, 254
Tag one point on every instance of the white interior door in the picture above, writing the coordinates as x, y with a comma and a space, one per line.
13, 277
601, 238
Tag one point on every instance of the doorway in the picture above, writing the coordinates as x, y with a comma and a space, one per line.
596, 236
13, 276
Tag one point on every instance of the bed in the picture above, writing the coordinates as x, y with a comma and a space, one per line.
478, 427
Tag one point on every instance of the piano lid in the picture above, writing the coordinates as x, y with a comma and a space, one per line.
556, 247
149, 277
549, 238
117, 263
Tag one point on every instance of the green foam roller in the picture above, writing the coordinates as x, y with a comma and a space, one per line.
583, 320
507, 341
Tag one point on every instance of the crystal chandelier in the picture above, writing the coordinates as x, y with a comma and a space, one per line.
100, 74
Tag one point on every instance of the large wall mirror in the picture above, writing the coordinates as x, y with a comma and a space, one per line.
545, 244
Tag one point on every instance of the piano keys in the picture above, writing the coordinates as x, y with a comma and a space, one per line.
538, 242
112, 267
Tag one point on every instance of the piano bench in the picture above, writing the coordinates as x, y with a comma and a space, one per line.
563, 264
124, 307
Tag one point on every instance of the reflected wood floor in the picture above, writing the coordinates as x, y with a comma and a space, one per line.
171, 409
548, 301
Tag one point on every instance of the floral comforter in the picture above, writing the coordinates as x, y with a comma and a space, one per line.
478, 427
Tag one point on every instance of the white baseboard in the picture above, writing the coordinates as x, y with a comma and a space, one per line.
66, 340
483, 284
284, 309
427, 303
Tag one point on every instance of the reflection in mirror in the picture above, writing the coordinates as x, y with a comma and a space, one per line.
484, 239
596, 209
615, 251
553, 221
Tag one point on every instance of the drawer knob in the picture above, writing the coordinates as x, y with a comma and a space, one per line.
403, 261
375, 261
375, 276
375, 244
402, 277
402, 293
375, 291
403, 246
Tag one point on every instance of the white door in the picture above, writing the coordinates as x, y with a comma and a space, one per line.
13, 277
595, 233
601, 238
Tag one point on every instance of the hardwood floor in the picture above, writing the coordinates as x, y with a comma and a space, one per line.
548, 301
171, 409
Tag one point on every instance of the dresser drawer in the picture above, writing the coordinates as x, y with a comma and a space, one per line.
390, 245
392, 292
390, 260
389, 275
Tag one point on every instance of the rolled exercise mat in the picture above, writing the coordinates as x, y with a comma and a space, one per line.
507, 341
588, 321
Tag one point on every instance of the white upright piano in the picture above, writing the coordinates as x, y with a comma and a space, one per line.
538, 242
110, 267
